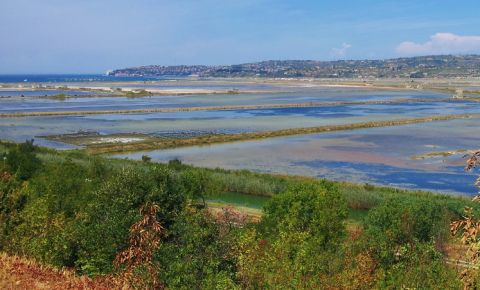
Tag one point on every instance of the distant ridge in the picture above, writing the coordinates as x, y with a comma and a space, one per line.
408, 67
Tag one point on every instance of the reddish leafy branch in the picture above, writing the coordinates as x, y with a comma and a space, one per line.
145, 236
470, 227
473, 161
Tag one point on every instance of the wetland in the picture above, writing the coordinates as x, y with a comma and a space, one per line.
348, 130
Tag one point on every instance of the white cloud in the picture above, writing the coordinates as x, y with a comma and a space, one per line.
342, 51
441, 43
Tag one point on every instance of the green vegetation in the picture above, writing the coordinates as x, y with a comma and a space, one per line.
58, 97
239, 199
70, 209
22, 161
138, 94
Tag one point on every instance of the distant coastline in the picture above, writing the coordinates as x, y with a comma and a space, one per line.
445, 66
71, 78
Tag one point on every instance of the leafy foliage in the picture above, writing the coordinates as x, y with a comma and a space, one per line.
140, 270
298, 238
469, 225
21, 160
72, 210
309, 207
398, 223
198, 254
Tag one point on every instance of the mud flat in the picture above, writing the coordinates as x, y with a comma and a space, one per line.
443, 154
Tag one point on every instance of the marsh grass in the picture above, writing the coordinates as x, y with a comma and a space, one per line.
359, 197
138, 94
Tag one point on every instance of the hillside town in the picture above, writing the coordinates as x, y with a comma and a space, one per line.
411, 67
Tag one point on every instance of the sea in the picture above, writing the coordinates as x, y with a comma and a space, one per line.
68, 78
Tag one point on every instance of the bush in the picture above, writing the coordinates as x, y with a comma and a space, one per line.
12, 201
299, 240
316, 208
44, 226
398, 222
421, 267
104, 227
176, 164
199, 253
21, 160
146, 158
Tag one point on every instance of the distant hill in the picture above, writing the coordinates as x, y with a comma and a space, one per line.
411, 67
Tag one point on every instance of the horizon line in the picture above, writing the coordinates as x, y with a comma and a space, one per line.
242, 63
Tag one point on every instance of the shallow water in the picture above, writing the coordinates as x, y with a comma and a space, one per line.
222, 122
63, 78
377, 155
24, 96
11, 105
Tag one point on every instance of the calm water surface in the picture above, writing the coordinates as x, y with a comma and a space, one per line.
304, 95
378, 155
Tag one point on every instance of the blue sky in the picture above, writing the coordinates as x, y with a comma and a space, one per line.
92, 36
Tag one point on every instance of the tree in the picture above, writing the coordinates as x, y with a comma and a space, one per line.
199, 184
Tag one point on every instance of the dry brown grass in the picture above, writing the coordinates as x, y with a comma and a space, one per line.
251, 214
21, 273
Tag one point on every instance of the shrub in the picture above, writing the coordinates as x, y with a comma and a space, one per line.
316, 208
421, 267
175, 164
104, 227
299, 239
146, 158
22, 161
198, 254
397, 223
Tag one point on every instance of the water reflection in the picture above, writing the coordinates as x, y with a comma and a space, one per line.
378, 155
